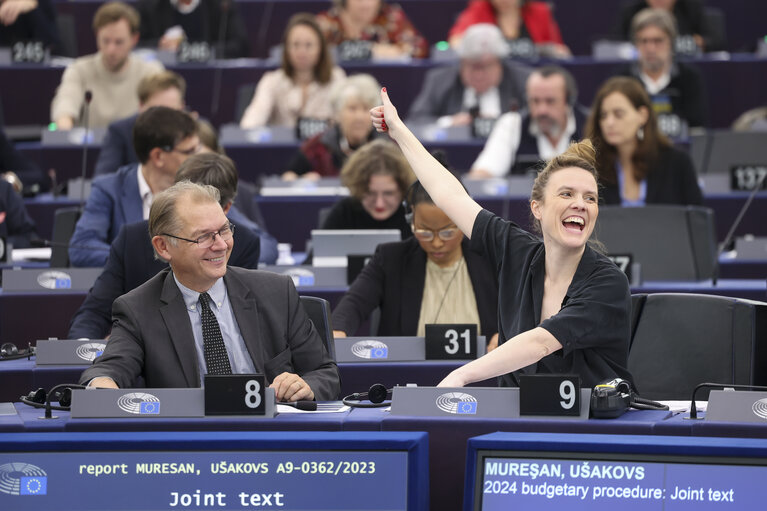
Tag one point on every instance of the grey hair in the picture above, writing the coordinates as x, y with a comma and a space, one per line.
483, 39
362, 86
163, 215
660, 18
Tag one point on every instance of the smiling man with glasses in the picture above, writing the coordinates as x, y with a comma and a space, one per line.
163, 139
203, 317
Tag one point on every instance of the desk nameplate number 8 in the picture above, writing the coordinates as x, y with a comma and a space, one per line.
235, 394
550, 394
451, 342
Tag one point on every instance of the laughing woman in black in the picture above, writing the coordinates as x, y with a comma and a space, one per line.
562, 307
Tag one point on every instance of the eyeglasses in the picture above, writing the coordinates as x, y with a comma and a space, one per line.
387, 195
206, 240
428, 234
186, 152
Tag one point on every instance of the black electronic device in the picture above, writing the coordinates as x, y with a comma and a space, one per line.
41, 399
612, 398
376, 395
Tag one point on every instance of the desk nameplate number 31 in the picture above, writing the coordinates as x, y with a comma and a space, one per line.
235, 394
550, 394
451, 342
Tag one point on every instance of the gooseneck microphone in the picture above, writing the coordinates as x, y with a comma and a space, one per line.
694, 411
86, 123
735, 224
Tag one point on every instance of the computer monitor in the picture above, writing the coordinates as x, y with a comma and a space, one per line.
730, 150
333, 246
544, 471
307, 470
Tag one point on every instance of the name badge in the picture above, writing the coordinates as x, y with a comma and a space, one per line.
550, 394
451, 342
235, 394
355, 50
28, 52
747, 177
193, 51
306, 127
482, 127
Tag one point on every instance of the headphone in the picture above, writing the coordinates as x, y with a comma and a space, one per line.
9, 351
41, 399
376, 395
612, 398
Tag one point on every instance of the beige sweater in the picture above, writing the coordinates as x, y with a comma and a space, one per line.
114, 94
278, 101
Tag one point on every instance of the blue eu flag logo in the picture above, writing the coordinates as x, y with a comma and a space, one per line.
467, 407
379, 353
149, 408
33, 486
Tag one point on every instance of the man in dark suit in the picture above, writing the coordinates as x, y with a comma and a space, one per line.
163, 139
131, 260
161, 89
202, 317
483, 84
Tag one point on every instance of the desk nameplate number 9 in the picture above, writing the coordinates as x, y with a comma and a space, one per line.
550, 394
451, 342
235, 394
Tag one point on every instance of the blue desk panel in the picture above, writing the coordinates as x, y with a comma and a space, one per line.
308, 471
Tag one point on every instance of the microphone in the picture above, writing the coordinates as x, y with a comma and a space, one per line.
222, 29
735, 224
86, 123
694, 411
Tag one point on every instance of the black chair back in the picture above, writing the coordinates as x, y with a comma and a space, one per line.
682, 340
64, 222
318, 310
669, 242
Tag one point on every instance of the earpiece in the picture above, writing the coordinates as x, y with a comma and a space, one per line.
9, 349
376, 395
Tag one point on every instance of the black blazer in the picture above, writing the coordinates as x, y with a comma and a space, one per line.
393, 280
131, 262
672, 180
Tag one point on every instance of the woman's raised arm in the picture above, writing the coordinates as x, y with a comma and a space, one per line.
445, 190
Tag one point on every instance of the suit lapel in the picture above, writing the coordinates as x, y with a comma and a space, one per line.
245, 310
176, 317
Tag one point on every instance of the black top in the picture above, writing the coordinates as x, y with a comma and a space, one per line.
686, 92
672, 180
202, 24
593, 324
39, 24
394, 280
348, 213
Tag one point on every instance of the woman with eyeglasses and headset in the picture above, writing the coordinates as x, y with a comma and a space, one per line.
430, 278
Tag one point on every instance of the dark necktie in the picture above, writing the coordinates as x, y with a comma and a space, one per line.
216, 358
